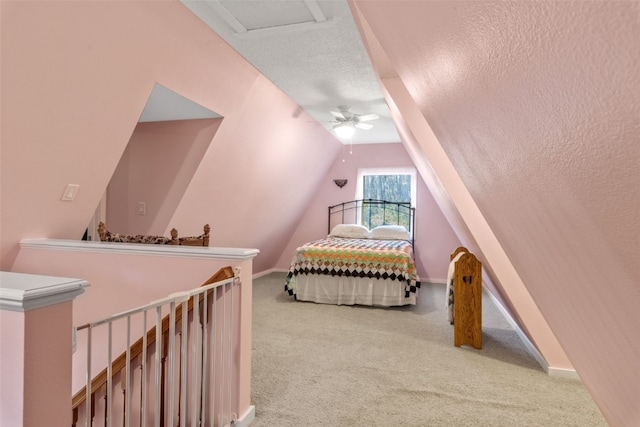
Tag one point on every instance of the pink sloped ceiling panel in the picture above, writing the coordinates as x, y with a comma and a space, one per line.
75, 78
537, 106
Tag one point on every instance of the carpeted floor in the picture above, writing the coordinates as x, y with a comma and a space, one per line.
325, 365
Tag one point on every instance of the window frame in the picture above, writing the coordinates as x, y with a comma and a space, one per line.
362, 172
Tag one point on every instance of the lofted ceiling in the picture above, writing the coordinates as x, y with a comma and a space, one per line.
311, 50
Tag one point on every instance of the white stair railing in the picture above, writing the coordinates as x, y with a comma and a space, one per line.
183, 378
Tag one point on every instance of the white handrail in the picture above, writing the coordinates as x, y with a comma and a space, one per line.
175, 297
205, 388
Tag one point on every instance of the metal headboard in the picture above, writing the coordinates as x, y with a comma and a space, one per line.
386, 212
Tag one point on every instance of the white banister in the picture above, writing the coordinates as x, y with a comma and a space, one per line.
198, 389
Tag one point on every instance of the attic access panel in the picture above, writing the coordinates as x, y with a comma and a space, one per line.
247, 17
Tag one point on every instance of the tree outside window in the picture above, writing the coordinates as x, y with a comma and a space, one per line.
393, 185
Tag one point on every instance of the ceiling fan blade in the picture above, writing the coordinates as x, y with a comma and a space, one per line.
338, 115
364, 126
368, 117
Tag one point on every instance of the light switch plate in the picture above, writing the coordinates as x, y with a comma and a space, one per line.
70, 192
142, 208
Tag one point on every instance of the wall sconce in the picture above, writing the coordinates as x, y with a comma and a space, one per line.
340, 182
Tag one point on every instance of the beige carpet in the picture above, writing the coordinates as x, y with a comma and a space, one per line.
325, 365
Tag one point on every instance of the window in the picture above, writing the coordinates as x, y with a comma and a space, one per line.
390, 184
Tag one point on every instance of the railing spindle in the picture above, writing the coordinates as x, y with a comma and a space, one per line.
108, 408
127, 402
157, 367
143, 374
184, 359
205, 342
88, 397
171, 364
123, 387
163, 380
204, 384
194, 357
213, 376
141, 367
222, 340
231, 323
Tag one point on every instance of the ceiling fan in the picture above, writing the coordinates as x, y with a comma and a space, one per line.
346, 122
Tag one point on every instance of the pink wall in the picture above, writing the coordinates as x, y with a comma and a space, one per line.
535, 104
435, 239
12, 367
156, 168
29, 350
122, 281
84, 70
45, 348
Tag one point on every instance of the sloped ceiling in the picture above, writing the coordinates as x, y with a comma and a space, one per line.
537, 106
311, 50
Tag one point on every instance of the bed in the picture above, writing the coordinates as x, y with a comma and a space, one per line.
366, 258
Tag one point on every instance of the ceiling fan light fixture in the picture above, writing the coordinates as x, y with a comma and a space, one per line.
344, 130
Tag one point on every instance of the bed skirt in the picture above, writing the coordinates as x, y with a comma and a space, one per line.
351, 290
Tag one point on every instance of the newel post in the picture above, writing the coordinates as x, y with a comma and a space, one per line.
36, 348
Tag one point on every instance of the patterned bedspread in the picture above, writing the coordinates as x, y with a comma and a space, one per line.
336, 256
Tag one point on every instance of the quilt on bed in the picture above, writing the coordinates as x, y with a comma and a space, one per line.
370, 258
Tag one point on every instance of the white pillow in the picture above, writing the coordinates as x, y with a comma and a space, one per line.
351, 231
389, 232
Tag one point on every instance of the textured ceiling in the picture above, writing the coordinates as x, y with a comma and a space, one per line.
311, 50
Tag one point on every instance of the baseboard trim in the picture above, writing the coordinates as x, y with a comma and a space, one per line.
434, 281
552, 372
269, 271
263, 273
247, 418
563, 373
